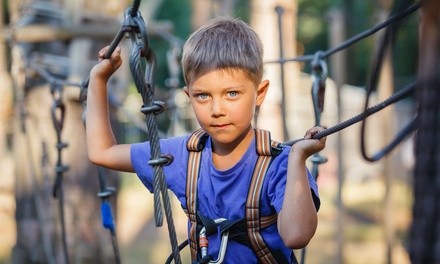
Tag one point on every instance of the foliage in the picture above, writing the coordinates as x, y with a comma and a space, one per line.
360, 16
178, 13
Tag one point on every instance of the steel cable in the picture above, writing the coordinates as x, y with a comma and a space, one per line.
404, 92
150, 108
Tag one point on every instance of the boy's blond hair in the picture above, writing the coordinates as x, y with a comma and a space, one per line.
223, 43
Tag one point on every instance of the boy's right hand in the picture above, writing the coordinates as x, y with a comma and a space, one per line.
106, 67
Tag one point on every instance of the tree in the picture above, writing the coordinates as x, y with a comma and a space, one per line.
58, 49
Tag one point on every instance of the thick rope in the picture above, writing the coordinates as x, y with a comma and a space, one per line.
58, 113
402, 93
151, 108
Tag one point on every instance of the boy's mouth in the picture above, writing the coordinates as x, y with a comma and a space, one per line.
220, 126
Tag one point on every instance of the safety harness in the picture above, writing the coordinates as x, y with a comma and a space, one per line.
245, 231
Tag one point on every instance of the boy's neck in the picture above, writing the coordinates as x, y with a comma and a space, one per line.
224, 156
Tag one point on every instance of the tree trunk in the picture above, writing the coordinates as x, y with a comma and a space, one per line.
424, 235
275, 114
38, 220
385, 90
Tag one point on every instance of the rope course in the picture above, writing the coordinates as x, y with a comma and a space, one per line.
142, 54
135, 26
42, 65
143, 65
319, 74
58, 111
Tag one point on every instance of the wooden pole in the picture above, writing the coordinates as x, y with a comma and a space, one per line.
6, 94
338, 69
385, 90
424, 235
6, 161
264, 21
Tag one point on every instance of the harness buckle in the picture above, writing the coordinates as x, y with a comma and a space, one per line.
203, 243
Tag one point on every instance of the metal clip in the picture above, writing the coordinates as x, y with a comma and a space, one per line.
319, 76
223, 245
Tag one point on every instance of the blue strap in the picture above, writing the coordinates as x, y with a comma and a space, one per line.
107, 216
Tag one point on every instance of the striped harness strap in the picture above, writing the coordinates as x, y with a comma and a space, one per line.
254, 221
195, 145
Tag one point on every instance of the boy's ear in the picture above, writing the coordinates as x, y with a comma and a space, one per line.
262, 91
185, 89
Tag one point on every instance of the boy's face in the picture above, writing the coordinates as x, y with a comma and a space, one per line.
224, 103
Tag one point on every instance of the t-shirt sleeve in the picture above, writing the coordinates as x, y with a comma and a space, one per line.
174, 172
277, 182
140, 155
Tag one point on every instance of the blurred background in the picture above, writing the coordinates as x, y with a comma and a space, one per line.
366, 207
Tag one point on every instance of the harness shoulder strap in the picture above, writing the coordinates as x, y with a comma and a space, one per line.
195, 145
254, 221
266, 149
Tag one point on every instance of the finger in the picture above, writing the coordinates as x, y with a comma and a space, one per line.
103, 51
312, 132
308, 134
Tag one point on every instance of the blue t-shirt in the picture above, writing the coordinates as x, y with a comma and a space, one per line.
222, 194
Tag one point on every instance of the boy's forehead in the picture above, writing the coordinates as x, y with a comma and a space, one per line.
233, 73
221, 79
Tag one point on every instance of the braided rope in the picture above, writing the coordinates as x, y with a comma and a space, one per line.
402, 93
150, 109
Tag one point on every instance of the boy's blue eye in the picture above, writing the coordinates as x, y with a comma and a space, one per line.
233, 93
202, 96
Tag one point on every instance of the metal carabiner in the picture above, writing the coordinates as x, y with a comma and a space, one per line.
319, 77
58, 108
223, 245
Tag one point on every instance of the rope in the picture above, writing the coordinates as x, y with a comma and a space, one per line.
58, 113
106, 211
318, 88
144, 81
404, 92
151, 109
385, 42
392, 19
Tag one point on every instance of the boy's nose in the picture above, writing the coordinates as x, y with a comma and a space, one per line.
217, 107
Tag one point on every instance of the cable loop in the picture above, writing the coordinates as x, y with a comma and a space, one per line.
164, 160
156, 108
319, 65
58, 108
142, 30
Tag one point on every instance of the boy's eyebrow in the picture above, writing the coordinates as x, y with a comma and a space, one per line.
232, 87
196, 89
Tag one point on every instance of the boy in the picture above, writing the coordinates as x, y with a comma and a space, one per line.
223, 68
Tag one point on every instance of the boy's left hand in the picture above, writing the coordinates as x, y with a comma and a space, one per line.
309, 146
